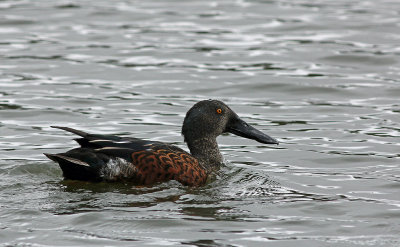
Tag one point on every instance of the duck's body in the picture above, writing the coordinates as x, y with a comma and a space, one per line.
113, 158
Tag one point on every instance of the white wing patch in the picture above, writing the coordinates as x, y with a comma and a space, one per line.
72, 160
99, 140
116, 142
107, 148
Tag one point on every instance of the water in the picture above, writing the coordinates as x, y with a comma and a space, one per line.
322, 77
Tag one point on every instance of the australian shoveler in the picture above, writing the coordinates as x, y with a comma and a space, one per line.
113, 158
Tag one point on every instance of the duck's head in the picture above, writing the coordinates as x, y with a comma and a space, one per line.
210, 118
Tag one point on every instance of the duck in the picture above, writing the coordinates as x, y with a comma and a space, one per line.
146, 163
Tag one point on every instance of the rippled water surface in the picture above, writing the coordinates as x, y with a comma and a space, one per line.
323, 77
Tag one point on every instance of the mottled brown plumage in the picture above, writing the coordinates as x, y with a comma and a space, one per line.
161, 165
113, 158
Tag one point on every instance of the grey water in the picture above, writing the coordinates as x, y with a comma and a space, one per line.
323, 77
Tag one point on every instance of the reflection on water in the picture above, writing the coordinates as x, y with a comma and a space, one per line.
322, 77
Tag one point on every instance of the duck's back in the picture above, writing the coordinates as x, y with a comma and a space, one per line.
113, 158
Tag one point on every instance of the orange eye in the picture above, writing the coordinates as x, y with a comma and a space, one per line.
219, 111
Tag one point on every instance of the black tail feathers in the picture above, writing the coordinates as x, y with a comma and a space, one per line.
74, 168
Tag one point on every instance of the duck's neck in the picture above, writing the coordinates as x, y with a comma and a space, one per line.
206, 151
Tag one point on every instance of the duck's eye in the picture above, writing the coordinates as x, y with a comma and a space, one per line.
219, 110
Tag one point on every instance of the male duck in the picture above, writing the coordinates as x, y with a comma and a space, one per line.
113, 158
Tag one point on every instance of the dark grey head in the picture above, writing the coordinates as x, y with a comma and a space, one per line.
208, 119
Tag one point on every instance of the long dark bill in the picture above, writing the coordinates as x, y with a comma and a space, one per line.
243, 129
